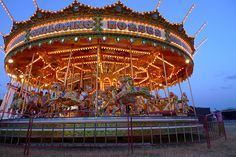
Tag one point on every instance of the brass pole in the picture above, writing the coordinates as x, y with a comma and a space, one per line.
31, 65
73, 73
164, 67
131, 63
190, 88
67, 71
81, 77
181, 92
96, 101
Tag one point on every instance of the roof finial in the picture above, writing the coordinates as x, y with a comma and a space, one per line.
200, 29
200, 45
189, 12
158, 4
36, 4
7, 11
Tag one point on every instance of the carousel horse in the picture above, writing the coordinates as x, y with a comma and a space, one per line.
44, 106
184, 103
17, 105
171, 102
128, 94
106, 101
13, 107
51, 105
34, 103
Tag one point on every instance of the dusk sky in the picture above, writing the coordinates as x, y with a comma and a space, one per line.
214, 77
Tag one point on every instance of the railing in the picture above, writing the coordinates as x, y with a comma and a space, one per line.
127, 131
214, 127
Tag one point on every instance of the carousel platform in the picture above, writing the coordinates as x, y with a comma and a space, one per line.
101, 130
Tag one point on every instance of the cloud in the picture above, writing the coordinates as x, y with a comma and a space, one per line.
231, 77
220, 74
213, 89
225, 87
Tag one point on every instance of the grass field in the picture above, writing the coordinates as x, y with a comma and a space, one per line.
220, 148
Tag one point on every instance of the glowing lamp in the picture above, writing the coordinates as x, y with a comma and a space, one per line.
13, 76
104, 38
10, 61
187, 61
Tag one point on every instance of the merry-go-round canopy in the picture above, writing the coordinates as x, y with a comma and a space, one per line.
115, 37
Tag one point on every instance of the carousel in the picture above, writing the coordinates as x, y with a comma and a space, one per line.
86, 61
85, 74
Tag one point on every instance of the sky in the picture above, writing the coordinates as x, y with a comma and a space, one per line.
214, 78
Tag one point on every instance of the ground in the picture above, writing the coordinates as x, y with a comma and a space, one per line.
220, 148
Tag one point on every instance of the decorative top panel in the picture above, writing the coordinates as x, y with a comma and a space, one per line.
115, 18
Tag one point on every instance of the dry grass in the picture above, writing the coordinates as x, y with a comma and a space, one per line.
220, 148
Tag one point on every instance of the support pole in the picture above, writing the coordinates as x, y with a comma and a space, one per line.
200, 45
36, 4
164, 67
158, 4
190, 88
96, 101
131, 63
6, 98
31, 65
200, 29
189, 12
39, 84
7, 11
41, 78
180, 89
22, 89
150, 84
81, 77
23, 83
67, 71
73, 73
165, 93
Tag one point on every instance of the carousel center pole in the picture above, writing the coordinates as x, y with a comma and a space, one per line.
190, 88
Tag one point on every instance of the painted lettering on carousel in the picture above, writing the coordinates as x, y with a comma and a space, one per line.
90, 24
133, 28
63, 27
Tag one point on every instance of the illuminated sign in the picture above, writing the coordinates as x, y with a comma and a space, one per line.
107, 25
63, 27
131, 27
